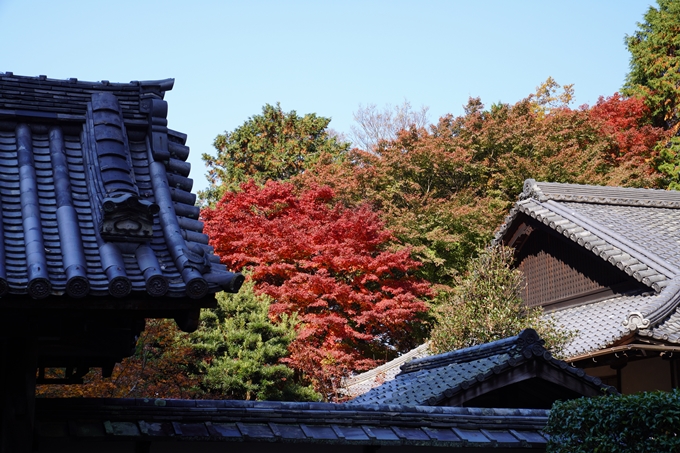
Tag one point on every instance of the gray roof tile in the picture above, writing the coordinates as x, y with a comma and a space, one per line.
599, 324
636, 230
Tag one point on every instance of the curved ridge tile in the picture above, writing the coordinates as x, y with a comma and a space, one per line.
188, 265
196, 286
70, 237
39, 285
113, 156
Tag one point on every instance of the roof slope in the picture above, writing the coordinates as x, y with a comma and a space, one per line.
635, 230
95, 198
277, 423
362, 383
459, 376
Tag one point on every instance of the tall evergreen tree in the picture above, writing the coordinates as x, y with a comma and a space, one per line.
655, 62
486, 306
655, 77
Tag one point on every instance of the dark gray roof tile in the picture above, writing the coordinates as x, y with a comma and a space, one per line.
436, 379
76, 168
113, 420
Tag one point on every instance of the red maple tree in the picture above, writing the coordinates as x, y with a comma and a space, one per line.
628, 122
336, 268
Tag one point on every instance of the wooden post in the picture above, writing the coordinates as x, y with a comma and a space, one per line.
17, 394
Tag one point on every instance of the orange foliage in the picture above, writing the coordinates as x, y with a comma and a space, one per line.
156, 370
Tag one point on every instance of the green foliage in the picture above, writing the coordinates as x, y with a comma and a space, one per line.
640, 423
655, 62
669, 162
275, 145
486, 306
655, 77
240, 349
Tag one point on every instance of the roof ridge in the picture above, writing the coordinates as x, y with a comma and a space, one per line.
583, 193
641, 321
526, 339
613, 238
163, 84
295, 406
530, 352
440, 378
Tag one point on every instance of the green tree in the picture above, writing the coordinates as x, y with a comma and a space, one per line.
275, 145
235, 353
655, 62
239, 350
486, 306
655, 77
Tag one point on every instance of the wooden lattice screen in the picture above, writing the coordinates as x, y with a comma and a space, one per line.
557, 271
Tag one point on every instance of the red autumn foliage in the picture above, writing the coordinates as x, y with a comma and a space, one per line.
627, 121
331, 266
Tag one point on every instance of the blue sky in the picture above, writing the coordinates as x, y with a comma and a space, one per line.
229, 58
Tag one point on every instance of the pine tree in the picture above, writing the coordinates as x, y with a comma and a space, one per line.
239, 351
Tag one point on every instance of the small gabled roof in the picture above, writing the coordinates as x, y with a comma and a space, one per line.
635, 230
284, 426
95, 198
493, 369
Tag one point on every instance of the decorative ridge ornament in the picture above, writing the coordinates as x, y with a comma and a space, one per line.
96, 216
532, 190
126, 217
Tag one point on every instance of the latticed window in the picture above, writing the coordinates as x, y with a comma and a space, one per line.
557, 272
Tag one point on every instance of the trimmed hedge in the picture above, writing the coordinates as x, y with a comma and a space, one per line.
644, 422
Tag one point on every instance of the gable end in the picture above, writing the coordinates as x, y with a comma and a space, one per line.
560, 274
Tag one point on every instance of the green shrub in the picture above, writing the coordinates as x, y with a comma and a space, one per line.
644, 422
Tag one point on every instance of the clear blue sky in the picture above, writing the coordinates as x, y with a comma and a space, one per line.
229, 58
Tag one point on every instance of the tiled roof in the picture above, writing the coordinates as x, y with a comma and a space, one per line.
95, 196
437, 379
599, 324
362, 383
635, 230
114, 420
